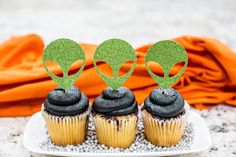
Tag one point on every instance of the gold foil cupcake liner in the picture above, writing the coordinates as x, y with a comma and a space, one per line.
165, 132
67, 130
117, 131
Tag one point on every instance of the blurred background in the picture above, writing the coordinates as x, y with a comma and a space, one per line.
136, 21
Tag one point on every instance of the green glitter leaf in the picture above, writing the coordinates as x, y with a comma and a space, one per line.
167, 53
115, 52
64, 52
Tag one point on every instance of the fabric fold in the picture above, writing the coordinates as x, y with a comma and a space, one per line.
209, 79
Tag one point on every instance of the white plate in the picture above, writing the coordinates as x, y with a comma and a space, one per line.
35, 134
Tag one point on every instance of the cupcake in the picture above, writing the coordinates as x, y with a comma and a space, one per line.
66, 115
115, 110
115, 117
164, 112
65, 109
164, 115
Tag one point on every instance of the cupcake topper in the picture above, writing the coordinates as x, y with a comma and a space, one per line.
167, 54
114, 52
64, 52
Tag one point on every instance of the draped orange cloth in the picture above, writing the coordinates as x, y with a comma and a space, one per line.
209, 79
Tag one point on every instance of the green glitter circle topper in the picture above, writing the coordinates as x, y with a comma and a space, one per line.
64, 52
115, 52
167, 53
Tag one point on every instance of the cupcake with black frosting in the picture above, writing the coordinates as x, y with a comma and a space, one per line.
66, 115
115, 117
164, 115
115, 110
66, 108
164, 112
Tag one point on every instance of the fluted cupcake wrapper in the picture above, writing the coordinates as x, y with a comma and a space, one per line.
67, 130
166, 132
118, 131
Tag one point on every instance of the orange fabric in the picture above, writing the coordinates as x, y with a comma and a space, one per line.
209, 79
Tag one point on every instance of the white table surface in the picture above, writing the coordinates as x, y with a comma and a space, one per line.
139, 22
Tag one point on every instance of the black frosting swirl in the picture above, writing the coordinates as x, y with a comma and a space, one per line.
165, 103
69, 102
116, 102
